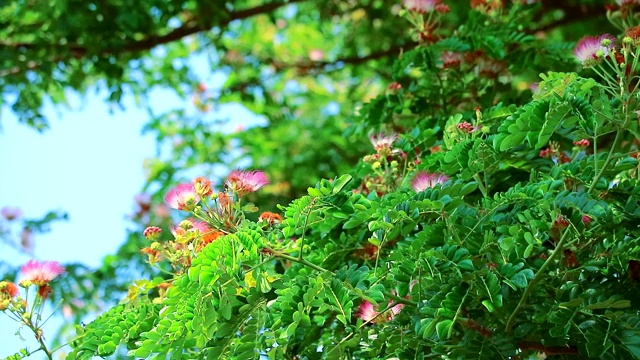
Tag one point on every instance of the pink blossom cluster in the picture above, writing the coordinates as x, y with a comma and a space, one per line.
182, 197
244, 182
382, 142
425, 180
590, 49
368, 313
425, 6
466, 127
40, 273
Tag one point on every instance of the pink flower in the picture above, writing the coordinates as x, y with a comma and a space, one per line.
382, 141
395, 310
40, 273
201, 226
366, 312
243, 182
425, 180
466, 127
182, 197
421, 6
590, 49
11, 213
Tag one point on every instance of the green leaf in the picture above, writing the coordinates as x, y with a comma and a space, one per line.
340, 182
443, 328
466, 264
487, 304
519, 280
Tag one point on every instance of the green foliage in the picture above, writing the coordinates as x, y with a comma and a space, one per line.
486, 229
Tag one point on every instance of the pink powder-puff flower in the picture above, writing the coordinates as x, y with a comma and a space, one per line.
11, 213
182, 197
40, 273
395, 310
421, 6
243, 182
366, 312
382, 143
425, 180
590, 49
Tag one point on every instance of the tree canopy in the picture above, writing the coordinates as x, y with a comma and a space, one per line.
445, 179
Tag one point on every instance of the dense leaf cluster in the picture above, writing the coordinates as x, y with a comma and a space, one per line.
517, 254
532, 245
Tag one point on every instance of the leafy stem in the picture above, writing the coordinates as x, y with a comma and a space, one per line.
561, 244
536, 278
481, 186
321, 269
298, 260
401, 300
610, 155
304, 228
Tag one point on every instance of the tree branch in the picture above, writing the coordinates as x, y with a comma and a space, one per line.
306, 67
193, 28
572, 13
189, 28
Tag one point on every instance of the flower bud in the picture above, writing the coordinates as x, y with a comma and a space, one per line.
152, 233
185, 224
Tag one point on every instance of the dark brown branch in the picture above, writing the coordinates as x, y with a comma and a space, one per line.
193, 28
572, 13
354, 60
306, 67
190, 28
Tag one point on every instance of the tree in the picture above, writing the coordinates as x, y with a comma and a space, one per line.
481, 222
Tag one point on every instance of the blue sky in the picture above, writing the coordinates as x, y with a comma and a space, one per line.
89, 164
